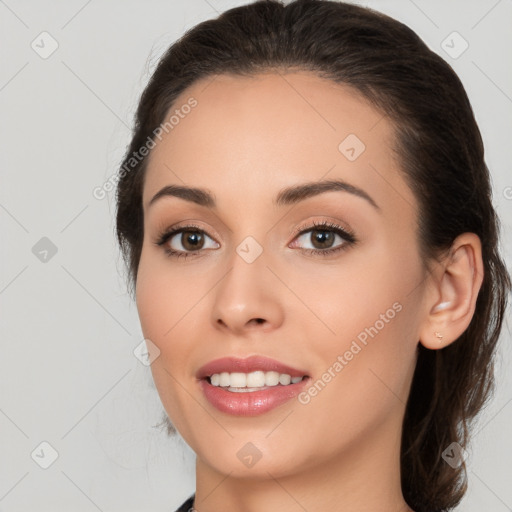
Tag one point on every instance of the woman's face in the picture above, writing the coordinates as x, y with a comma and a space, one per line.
261, 278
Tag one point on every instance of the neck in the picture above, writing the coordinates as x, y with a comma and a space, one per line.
363, 478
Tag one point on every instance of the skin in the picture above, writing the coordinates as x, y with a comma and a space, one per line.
246, 139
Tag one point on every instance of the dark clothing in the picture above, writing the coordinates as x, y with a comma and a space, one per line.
187, 505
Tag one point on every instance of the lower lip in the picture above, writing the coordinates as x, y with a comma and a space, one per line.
250, 403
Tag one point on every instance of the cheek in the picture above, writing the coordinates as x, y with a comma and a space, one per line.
163, 296
169, 303
370, 316
163, 300
152, 302
362, 380
159, 313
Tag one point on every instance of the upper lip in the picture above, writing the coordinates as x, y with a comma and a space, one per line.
247, 365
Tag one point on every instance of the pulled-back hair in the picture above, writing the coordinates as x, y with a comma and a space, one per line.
441, 155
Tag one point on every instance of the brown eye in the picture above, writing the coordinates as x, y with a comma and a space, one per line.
322, 238
192, 240
186, 241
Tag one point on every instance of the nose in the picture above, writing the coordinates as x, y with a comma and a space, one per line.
248, 297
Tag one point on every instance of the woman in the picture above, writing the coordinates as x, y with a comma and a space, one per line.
306, 217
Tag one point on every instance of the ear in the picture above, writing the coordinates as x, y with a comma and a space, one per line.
451, 305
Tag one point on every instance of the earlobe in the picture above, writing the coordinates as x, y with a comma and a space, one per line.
456, 289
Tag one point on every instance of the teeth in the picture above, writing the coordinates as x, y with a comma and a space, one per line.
284, 379
256, 379
250, 381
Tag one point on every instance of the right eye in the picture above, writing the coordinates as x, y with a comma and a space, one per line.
183, 241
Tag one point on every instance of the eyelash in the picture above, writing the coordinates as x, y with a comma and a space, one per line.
347, 235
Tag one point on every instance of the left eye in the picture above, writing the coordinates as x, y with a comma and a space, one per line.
320, 238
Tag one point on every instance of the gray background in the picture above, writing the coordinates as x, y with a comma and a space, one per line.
68, 375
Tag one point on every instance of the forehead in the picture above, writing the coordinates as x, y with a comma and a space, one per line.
248, 136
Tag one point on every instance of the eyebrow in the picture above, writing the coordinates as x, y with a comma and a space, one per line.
287, 196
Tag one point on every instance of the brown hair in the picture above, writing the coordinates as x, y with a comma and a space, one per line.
442, 158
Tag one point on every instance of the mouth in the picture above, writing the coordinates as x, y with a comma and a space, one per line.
251, 386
